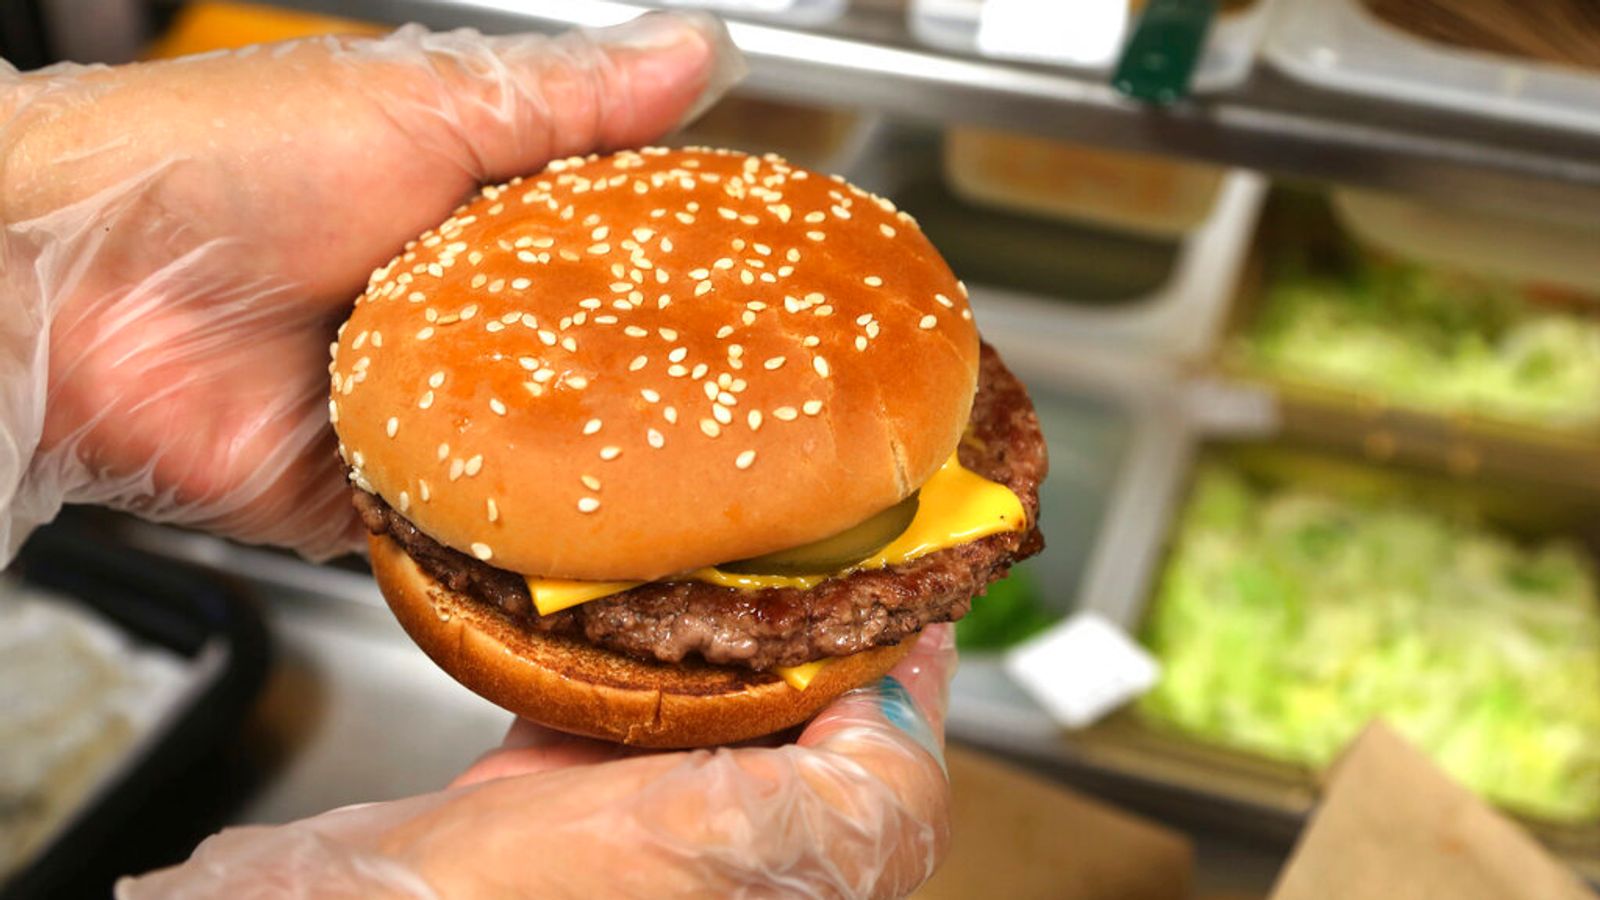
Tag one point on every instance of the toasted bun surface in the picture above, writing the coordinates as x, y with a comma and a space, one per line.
635, 365
578, 688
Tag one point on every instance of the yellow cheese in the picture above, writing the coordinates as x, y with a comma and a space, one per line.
799, 677
555, 594
955, 507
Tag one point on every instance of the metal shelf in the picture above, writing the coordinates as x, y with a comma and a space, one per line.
867, 59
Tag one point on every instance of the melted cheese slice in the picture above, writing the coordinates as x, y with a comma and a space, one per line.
799, 677
955, 507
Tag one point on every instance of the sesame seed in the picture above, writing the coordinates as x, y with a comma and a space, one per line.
887, 229
474, 465
588, 504
753, 419
677, 371
654, 438
426, 401
405, 501
444, 452
521, 284
333, 412
456, 467
927, 322
813, 218
710, 427
821, 365
635, 331
873, 281
649, 395
861, 342
493, 509
811, 407
422, 489
944, 301
425, 333
482, 551
590, 482
811, 340
722, 414
577, 382
785, 413
392, 426
670, 413
966, 314
436, 380
610, 453
600, 249
815, 235
702, 288
744, 459
678, 353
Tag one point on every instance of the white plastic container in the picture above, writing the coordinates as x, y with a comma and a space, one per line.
1531, 251
1116, 451
1085, 36
1179, 320
1339, 44
1145, 194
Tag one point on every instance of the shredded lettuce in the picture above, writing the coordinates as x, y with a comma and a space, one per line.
1430, 340
1288, 618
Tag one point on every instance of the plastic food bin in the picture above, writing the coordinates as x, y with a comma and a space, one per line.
1550, 446
1112, 443
1257, 792
1070, 284
1555, 251
1086, 37
164, 617
1146, 195
1341, 45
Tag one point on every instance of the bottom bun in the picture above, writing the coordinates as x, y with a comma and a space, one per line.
573, 686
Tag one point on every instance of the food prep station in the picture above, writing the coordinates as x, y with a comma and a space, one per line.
1241, 308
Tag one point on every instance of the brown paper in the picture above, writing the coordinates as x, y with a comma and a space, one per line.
1392, 825
1019, 836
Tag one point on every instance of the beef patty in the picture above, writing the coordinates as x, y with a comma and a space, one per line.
760, 629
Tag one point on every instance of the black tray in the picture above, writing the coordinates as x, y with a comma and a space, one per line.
192, 613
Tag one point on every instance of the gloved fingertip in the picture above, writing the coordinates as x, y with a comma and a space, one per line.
907, 714
657, 32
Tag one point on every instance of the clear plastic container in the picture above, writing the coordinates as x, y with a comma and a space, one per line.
1087, 287
1542, 251
819, 138
1341, 45
1439, 414
1086, 35
1127, 192
1110, 446
1130, 745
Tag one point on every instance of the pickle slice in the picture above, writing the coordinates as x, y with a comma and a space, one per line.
831, 554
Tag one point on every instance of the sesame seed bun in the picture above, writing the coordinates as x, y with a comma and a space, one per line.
576, 687
634, 365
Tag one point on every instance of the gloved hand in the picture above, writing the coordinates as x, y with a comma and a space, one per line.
857, 808
182, 238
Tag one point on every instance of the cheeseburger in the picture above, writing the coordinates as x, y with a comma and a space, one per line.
672, 447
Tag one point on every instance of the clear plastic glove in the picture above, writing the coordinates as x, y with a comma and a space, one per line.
857, 808
182, 238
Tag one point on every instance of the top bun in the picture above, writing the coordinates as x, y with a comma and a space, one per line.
634, 365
